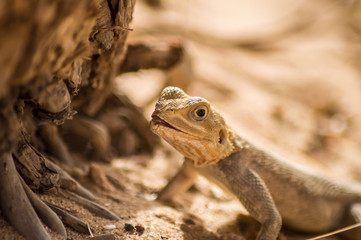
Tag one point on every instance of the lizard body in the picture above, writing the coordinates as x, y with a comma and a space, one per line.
273, 191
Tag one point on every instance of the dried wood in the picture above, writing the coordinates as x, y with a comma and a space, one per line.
49, 51
98, 177
135, 120
70, 220
31, 165
8, 121
146, 55
108, 41
116, 182
90, 136
14, 203
71, 183
54, 144
44, 212
91, 206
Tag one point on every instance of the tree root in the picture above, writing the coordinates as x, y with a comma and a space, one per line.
44, 212
121, 105
115, 181
98, 177
30, 163
54, 143
91, 206
38, 86
22, 207
70, 220
90, 136
14, 203
69, 183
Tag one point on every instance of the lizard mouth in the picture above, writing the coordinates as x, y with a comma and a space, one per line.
157, 120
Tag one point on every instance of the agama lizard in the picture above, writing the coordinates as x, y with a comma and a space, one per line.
273, 191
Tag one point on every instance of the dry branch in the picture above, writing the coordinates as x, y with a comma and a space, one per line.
153, 56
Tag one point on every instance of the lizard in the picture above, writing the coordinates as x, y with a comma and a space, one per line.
272, 190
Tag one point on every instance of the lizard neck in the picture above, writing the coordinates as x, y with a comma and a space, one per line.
237, 141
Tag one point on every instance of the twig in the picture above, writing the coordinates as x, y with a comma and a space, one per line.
336, 232
107, 236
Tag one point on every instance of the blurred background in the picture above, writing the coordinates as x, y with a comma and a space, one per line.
285, 74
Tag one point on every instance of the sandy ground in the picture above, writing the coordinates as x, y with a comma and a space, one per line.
283, 73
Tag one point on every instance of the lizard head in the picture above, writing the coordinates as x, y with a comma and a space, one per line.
192, 126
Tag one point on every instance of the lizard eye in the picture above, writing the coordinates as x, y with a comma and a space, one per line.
200, 113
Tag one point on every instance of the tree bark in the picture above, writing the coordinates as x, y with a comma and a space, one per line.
58, 62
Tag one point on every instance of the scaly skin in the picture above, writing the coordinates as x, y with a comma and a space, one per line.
272, 190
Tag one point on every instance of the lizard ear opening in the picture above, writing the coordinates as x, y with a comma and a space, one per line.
220, 136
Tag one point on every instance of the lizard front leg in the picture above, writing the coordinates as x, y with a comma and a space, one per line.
249, 188
255, 197
180, 183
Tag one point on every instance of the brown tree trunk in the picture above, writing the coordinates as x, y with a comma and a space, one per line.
58, 62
